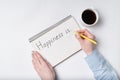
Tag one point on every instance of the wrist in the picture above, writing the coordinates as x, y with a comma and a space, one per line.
89, 49
88, 52
47, 78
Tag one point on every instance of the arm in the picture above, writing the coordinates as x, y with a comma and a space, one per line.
101, 69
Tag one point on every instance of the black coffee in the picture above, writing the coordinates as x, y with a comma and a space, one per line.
89, 17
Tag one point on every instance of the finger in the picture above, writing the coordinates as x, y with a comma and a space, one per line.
34, 55
90, 35
37, 69
35, 58
50, 66
81, 31
86, 33
77, 35
40, 58
34, 63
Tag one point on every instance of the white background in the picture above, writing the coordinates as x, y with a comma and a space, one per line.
21, 19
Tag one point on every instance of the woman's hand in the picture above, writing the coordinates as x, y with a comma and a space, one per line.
86, 45
42, 67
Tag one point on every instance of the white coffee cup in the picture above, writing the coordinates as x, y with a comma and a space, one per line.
89, 17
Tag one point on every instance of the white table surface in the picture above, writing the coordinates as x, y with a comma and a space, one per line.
21, 19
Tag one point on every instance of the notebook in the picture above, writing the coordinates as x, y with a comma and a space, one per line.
58, 42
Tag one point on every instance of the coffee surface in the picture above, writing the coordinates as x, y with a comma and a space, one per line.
89, 17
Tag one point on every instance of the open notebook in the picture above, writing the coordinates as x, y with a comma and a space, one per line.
57, 43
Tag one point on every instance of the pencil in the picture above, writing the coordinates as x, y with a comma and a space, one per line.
94, 42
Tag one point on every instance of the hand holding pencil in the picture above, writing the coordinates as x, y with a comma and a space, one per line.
86, 40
